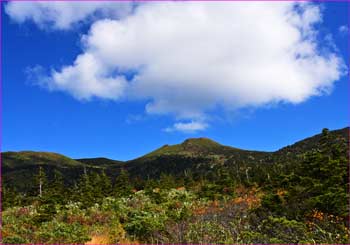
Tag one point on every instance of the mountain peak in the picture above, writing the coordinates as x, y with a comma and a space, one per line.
199, 139
191, 146
202, 141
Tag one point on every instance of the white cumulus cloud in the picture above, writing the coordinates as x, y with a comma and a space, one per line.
63, 15
189, 58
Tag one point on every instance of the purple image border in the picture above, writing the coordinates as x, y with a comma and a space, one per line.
2, 2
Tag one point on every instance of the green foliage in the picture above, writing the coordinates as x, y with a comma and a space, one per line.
250, 237
167, 181
58, 232
10, 197
324, 174
14, 240
205, 232
122, 185
17, 159
18, 224
210, 194
282, 230
210, 190
105, 184
85, 190
318, 182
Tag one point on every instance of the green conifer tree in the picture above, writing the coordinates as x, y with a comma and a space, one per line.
122, 185
106, 185
167, 181
56, 190
85, 190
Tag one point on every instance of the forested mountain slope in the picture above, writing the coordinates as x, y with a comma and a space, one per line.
198, 156
198, 192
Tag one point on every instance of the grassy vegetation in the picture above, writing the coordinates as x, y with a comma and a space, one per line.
193, 146
13, 160
296, 195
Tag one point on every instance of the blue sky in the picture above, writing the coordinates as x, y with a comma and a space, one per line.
48, 109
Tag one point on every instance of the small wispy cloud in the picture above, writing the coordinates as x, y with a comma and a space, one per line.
343, 29
133, 118
187, 127
37, 76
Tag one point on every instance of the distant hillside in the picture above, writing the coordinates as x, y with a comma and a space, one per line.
19, 168
310, 143
13, 160
100, 161
197, 155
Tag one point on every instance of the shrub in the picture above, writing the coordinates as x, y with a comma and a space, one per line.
207, 232
283, 230
59, 232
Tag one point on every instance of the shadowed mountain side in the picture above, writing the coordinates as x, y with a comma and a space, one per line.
101, 162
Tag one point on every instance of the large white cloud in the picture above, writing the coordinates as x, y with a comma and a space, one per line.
190, 57
64, 15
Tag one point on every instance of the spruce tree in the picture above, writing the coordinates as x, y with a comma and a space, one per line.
57, 192
85, 190
324, 172
167, 181
122, 185
106, 185
320, 180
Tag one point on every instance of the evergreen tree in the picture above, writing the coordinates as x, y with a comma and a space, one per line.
57, 192
85, 190
323, 174
188, 179
167, 181
122, 185
9, 197
95, 180
318, 182
105, 184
